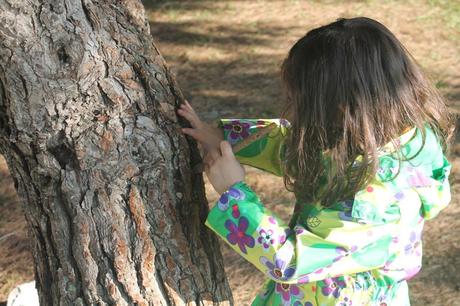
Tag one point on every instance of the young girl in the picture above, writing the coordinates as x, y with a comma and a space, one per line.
363, 148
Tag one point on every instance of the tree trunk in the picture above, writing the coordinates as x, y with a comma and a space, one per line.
89, 130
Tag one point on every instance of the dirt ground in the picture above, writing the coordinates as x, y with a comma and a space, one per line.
226, 55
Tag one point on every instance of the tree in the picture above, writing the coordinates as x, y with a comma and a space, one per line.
90, 134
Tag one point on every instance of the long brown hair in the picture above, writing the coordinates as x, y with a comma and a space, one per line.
350, 88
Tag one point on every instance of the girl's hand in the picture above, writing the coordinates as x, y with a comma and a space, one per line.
209, 137
223, 170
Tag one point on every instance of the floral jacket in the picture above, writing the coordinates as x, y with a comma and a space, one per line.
358, 252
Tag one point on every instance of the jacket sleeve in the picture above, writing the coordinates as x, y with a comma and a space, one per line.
264, 153
330, 242
434, 190
428, 174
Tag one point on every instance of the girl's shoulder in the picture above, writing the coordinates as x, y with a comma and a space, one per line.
408, 163
415, 169
414, 150
413, 142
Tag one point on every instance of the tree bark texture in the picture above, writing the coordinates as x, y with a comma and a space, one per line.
89, 130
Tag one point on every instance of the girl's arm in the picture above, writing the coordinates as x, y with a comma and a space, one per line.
264, 153
351, 237
435, 192
301, 254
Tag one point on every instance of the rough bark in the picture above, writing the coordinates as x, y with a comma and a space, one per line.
91, 137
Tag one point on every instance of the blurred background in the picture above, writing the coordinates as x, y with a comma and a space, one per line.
226, 56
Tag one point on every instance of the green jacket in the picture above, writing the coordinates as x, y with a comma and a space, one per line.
357, 252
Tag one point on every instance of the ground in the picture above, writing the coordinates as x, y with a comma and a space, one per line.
226, 55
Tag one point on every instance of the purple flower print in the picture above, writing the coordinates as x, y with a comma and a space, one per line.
412, 246
346, 302
319, 271
347, 207
399, 195
263, 295
272, 220
237, 234
298, 229
418, 179
297, 303
265, 238
388, 264
303, 279
284, 122
421, 219
287, 292
411, 272
237, 130
277, 269
227, 196
382, 298
333, 286
341, 253
283, 237
235, 211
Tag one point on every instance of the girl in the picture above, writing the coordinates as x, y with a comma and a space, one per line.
363, 148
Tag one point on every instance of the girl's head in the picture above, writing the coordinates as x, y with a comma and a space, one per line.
351, 87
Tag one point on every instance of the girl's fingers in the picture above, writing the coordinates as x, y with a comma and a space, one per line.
193, 133
184, 107
190, 115
190, 108
191, 111
194, 121
226, 149
188, 105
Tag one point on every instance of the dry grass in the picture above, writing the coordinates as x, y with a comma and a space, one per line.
226, 55
15, 260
